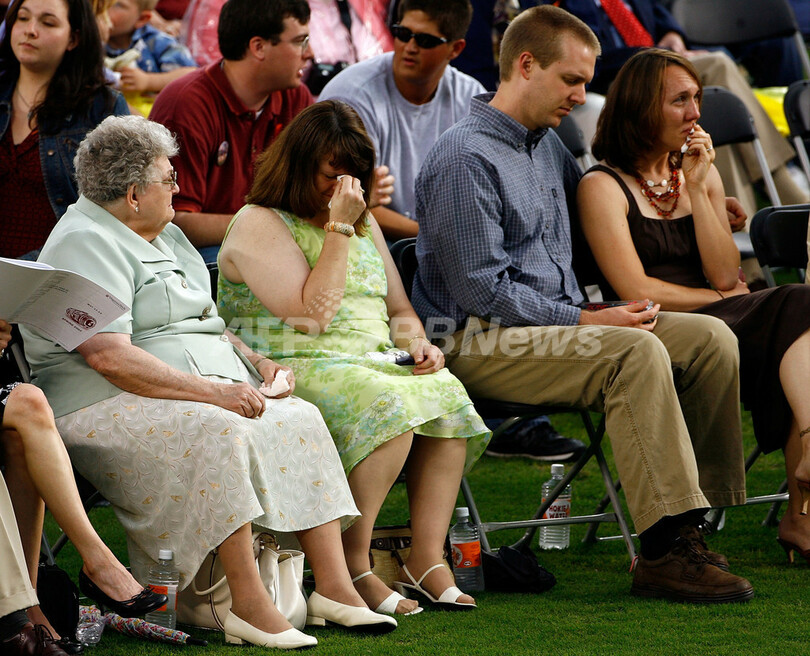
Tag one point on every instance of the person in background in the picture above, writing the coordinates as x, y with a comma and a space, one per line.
162, 59
409, 97
52, 92
342, 33
168, 16
226, 114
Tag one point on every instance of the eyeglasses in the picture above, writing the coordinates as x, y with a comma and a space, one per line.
303, 42
423, 40
171, 181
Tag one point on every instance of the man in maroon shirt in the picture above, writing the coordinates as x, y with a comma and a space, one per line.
228, 113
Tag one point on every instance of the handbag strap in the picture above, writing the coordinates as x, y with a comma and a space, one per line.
391, 543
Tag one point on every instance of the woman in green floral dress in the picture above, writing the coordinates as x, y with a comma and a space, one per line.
306, 278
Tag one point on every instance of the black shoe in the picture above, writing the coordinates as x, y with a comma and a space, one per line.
535, 439
69, 646
144, 602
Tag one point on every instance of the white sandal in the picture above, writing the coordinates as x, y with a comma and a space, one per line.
447, 599
390, 603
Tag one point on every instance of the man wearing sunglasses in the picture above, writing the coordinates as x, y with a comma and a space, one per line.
409, 97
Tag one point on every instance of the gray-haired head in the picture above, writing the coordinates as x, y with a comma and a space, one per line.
120, 152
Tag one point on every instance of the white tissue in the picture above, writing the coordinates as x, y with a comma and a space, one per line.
278, 386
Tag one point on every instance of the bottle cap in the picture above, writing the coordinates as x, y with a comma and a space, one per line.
558, 470
165, 554
462, 513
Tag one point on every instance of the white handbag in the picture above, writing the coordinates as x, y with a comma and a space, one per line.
206, 601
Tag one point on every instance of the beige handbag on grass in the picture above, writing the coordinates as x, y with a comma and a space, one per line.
207, 599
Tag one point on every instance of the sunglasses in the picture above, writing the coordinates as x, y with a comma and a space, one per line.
423, 40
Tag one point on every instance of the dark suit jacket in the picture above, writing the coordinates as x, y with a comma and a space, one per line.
650, 13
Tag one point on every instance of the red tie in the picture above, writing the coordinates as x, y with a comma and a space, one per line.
627, 24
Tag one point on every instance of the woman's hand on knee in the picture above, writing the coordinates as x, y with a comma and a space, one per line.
241, 398
428, 358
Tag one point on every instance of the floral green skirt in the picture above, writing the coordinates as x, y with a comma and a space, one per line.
365, 403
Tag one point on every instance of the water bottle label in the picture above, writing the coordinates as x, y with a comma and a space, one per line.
560, 508
466, 554
170, 591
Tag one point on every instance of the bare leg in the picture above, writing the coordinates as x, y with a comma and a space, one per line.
249, 598
434, 473
370, 482
794, 374
322, 547
42, 470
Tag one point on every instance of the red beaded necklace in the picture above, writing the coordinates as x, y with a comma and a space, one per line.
671, 193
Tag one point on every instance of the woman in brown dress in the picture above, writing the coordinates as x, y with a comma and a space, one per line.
655, 219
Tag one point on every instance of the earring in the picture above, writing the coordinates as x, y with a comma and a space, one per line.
137, 209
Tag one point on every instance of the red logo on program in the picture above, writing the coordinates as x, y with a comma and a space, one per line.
81, 318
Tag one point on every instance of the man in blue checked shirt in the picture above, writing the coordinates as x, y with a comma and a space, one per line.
495, 281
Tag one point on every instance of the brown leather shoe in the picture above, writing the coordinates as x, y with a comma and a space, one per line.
685, 574
33, 640
694, 535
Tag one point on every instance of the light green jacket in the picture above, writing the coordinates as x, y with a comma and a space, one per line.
167, 287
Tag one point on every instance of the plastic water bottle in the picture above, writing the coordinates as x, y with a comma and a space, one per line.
466, 547
164, 579
556, 537
89, 629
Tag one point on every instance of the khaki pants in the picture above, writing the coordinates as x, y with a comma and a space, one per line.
671, 399
16, 592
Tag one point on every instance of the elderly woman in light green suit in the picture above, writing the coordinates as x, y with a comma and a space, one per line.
162, 413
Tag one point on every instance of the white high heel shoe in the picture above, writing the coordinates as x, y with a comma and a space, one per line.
237, 632
389, 604
321, 610
447, 599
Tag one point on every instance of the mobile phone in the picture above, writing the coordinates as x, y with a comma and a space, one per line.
395, 356
603, 305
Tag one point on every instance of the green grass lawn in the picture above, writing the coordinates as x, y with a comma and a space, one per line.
590, 611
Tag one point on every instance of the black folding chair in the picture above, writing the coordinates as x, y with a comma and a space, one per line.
726, 118
404, 255
779, 237
733, 22
574, 140
797, 113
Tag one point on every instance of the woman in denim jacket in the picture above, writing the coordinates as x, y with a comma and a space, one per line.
52, 92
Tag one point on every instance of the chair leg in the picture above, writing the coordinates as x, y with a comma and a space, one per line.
46, 555
773, 512
466, 492
572, 473
624, 528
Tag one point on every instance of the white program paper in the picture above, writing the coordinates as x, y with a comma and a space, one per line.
65, 306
